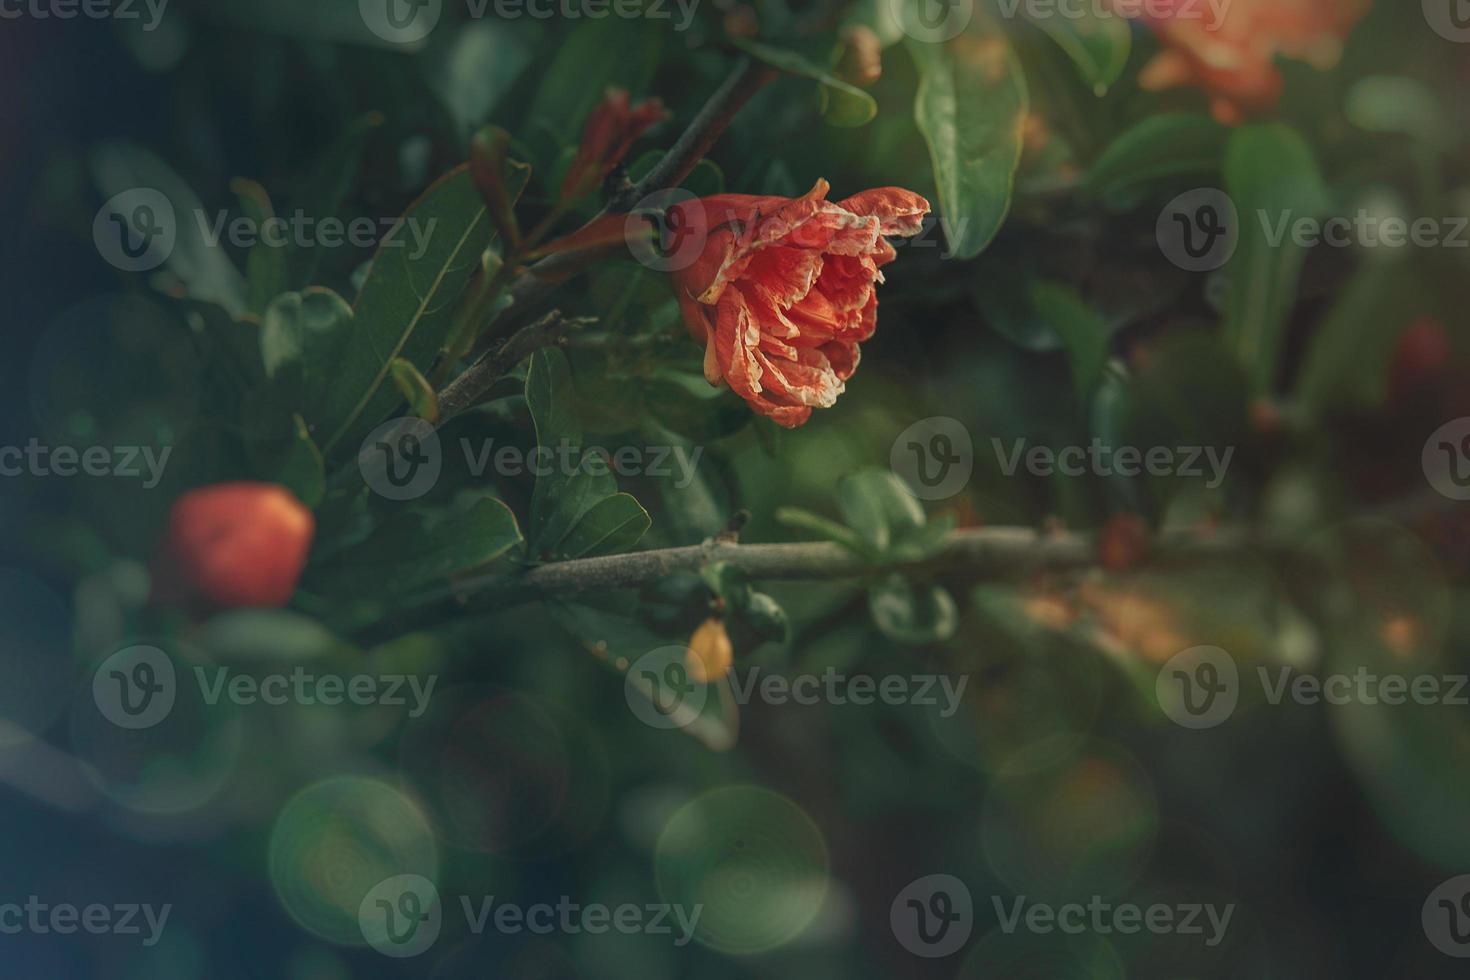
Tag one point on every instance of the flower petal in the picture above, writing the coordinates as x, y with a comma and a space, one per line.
899, 212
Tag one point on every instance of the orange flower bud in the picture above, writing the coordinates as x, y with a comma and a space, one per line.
710, 651
862, 56
611, 130
234, 544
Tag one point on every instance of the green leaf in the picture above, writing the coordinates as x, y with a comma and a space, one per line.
971, 104
417, 549
202, 265
876, 504
567, 490
1272, 177
767, 618
910, 614
267, 272
270, 635
1346, 363
1098, 42
595, 55
847, 105
828, 530
302, 470
304, 338
1397, 104
1156, 149
406, 308
325, 188
1084, 333
611, 526
416, 390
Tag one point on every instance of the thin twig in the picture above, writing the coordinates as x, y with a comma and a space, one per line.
533, 287
491, 366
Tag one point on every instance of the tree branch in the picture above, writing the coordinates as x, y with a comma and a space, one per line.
491, 366
992, 552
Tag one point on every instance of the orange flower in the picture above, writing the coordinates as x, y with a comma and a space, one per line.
783, 290
234, 544
1232, 55
611, 131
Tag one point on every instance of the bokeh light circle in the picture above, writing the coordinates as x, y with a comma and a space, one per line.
752, 860
335, 841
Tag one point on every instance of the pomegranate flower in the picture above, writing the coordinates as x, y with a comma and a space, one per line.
1231, 54
783, 290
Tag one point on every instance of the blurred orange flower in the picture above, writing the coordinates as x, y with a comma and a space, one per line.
1231, 54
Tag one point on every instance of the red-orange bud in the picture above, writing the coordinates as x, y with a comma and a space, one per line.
234, 544
612, 129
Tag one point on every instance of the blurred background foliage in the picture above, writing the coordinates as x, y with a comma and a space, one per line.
529, 778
